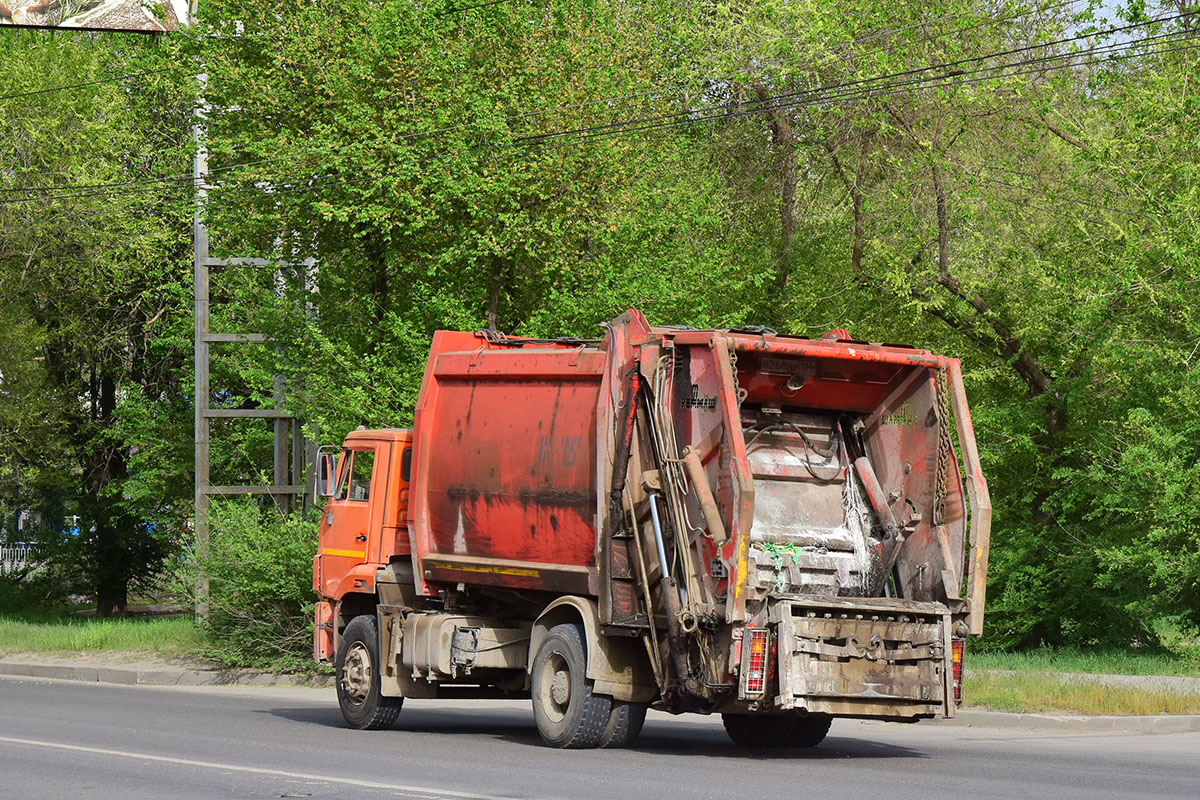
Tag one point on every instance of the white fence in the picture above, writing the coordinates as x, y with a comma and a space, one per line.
15, 556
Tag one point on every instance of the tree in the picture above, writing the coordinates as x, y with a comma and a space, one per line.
93, 288
453, 171
984, 204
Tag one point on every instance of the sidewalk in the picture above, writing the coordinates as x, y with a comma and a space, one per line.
148, 671
156, 672
1166, 723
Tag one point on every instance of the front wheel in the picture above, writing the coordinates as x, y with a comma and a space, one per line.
566, 711
362, 702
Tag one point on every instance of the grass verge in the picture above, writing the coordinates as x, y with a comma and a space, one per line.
1096, 662
1030, 692
64, 634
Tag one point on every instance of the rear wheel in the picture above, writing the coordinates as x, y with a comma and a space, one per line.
759, 730
363, 705
810, 731
624, 724
567, 712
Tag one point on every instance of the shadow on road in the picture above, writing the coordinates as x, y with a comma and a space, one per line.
659, 738
328, 717
714, 744
499, 726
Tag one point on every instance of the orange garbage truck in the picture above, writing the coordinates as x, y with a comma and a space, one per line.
778, 529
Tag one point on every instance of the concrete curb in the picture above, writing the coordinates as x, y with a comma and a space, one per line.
137, 676
1166, 723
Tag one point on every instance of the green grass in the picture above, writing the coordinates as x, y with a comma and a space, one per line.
1097, 662
1030, 692
29, 633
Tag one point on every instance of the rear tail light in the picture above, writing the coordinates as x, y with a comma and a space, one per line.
956, 663
755, 650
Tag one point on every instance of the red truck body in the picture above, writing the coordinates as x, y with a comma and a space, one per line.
505, 464
775, 528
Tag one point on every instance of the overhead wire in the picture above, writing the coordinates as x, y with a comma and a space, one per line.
345, 179
383, 141
464, 9
73, 86
874, 87
966, 168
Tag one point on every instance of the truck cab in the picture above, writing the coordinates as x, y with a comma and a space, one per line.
364, 524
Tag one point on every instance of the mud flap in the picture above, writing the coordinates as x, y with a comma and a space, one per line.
324, 633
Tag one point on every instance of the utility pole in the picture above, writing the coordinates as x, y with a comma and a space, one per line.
200, 350
287, 474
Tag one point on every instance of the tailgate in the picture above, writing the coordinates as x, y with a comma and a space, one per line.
871, 657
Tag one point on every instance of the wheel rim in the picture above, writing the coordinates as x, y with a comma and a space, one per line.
356, 674
556, 686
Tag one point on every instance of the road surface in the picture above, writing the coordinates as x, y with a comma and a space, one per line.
96, 741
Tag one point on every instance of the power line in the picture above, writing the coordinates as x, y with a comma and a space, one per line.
317, 183
84, 85
188, 178
876, 88
566, 138
988, 56
858, 89
464, 9
967, 170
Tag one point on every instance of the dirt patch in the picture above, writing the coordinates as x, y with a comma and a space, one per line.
140, 659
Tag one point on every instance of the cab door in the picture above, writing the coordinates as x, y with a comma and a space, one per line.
347, 522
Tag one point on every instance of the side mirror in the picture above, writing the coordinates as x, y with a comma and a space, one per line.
326, 472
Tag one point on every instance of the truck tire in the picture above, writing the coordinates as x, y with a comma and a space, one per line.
624, 724
363, 705
565, 709
810, 730
759, 730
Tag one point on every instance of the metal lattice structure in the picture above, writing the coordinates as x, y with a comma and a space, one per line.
291, 453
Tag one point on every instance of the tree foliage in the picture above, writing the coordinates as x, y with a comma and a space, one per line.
94, 307
1012, 182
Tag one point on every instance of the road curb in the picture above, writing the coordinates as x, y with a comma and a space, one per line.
1165, 723
137, 676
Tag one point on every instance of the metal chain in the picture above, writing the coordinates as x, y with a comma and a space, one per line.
740, 392
943, 454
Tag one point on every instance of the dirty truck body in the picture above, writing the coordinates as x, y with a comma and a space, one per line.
777, 529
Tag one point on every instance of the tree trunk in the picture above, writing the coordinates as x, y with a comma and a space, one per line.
789, 217
854, 187
111, 562
503, 276
783, 139
375, 250
112, 598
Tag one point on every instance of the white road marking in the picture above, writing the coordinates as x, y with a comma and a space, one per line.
420, 790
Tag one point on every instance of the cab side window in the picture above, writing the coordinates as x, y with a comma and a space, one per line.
360, 475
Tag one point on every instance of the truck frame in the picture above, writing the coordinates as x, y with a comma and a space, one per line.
778, 529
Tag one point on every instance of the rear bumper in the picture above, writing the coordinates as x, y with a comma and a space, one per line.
871, 657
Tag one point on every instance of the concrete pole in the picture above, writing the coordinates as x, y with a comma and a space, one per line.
201, 345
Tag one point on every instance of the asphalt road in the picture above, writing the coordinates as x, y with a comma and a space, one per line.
67, 740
